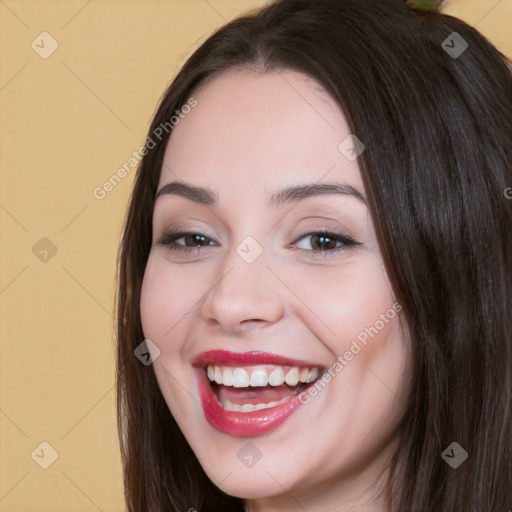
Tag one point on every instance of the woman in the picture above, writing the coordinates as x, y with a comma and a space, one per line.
318, 255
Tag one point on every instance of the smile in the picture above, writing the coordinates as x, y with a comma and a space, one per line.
249, 394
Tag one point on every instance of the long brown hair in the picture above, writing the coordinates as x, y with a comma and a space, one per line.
437, 129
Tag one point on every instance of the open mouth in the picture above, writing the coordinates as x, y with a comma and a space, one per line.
250, 393
253, 388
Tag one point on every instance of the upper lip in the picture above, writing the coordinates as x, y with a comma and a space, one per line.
255, 357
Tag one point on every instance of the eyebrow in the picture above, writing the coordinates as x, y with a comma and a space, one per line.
288, 195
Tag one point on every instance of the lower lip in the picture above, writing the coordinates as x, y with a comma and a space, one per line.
241, 424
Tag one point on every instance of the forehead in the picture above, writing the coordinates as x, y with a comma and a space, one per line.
263, 130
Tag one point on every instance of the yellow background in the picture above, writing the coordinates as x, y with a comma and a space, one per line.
68, 122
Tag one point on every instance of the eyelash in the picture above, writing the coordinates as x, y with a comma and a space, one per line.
170, 237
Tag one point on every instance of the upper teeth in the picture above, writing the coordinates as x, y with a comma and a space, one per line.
259, 376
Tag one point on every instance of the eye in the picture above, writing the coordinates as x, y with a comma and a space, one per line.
325, 242
184, 241
319, 242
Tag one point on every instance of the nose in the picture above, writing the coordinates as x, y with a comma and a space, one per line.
245, 294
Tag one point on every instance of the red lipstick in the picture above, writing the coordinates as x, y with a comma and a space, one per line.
256, 422
223, 357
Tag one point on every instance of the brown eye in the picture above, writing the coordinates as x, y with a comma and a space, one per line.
194, 239
325, 242
183, 241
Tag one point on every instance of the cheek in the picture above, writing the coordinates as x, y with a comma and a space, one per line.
166, 297
358, 321
165, 300
347, 302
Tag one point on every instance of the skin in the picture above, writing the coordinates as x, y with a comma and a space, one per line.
249, 136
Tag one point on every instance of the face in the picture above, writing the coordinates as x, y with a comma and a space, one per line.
281, 348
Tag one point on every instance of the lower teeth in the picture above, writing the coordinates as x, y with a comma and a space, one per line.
229, 406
